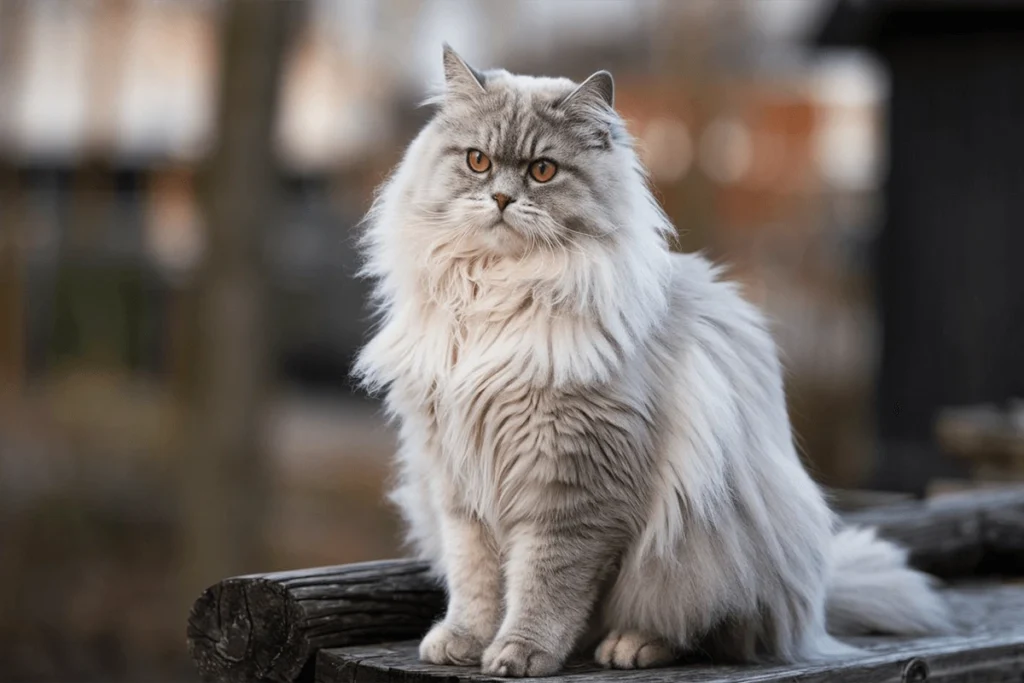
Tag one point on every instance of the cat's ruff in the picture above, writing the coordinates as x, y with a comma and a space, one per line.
594, 437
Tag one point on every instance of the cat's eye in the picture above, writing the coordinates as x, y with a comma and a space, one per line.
478, 161
543, 170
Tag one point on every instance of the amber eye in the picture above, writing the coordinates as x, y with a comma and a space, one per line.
478, 161
543, 170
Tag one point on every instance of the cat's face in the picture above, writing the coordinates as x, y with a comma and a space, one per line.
515, 163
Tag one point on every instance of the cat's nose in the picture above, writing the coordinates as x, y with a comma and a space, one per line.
503, 200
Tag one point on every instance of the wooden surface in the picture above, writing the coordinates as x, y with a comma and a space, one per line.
267, 627
988, 647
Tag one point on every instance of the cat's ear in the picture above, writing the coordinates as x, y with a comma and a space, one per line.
460, 78
595, 93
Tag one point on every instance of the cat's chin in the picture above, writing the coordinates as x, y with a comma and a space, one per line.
503, 240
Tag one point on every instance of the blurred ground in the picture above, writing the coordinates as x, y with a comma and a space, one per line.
87, 520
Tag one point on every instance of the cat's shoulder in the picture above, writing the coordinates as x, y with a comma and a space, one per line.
697, 275
695, 266
705, 289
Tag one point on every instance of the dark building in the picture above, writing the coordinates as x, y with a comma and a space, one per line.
949, 261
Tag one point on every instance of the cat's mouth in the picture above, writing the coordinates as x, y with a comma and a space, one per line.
504, 238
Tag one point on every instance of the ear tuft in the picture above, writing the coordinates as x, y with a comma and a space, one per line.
596, 92
459, 77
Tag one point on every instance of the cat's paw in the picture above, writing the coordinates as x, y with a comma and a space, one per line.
633, 650
445, 645
515, 657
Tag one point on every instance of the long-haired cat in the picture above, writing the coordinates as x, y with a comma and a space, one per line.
595, 448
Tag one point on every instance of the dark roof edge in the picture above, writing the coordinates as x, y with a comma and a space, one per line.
850, 23
856, 23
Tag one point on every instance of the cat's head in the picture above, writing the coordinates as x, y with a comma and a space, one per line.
514, 164
521, 198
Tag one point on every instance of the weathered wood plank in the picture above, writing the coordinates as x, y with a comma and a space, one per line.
988, 647
266, 627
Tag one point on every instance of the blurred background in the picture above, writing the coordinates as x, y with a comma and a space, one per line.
180, 183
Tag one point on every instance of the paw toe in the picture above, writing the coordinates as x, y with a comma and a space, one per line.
447, 646
516, 658
633, 650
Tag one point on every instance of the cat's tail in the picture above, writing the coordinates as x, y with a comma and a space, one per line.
871, 589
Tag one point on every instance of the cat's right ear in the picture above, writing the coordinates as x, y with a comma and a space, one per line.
460, 79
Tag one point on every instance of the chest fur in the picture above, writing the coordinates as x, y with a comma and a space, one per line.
503, 398
492, 417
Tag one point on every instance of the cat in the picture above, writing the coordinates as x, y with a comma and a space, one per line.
594, 442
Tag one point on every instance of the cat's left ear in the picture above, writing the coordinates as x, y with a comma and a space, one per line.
460, 79
595, 93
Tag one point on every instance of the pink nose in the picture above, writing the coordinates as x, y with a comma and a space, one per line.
503, 200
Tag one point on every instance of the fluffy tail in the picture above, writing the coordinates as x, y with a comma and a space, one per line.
872, 590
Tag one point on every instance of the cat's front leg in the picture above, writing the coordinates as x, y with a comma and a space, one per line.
474, 594
552, 576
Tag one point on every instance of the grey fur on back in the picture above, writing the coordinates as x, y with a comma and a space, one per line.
595, 448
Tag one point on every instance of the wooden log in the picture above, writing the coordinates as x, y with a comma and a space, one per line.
989, 646
267, 627
956, 536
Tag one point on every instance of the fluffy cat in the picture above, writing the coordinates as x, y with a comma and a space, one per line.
595, 447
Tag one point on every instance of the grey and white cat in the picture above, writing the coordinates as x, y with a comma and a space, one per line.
595, 449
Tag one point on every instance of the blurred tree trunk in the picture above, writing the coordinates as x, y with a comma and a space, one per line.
225, 478
12, 273
12, 204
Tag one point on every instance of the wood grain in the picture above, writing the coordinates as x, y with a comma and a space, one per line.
267, 627
988, 647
